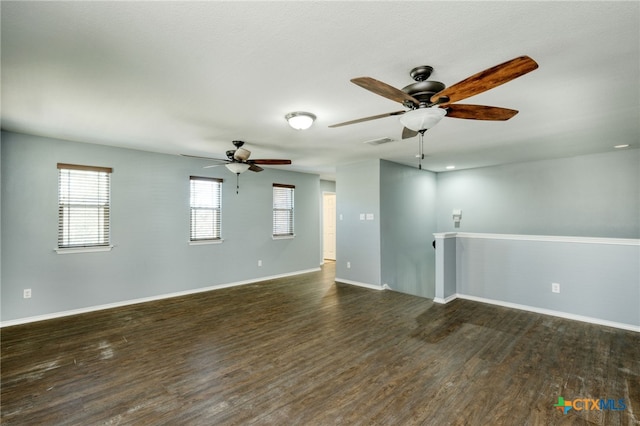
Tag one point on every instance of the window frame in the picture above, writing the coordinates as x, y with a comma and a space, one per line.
276, 210
216, 216
68, 201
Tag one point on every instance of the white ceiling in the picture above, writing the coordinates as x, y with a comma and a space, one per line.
190, 77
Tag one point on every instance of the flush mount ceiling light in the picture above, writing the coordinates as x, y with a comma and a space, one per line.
422, 118
237, 168
300, 120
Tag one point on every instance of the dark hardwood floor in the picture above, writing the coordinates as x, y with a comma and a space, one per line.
307, 351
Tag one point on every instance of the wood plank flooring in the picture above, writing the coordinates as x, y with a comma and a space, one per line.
307, 351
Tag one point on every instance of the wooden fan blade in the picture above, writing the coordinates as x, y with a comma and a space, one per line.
479, 112
408, 133
216, 161
373, 117
383, 89
255, 168
487, 79
222, 161
269, 161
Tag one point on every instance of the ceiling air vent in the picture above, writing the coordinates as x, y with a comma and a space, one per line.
379, 141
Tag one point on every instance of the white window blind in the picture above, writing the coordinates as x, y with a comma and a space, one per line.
84, 202
283, 203
206, 208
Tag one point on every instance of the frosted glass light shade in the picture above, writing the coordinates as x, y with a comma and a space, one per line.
422, 118
300, 120
237, 168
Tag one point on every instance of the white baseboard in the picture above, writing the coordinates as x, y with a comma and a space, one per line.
359, 284
88, 309
446, 299
544, 311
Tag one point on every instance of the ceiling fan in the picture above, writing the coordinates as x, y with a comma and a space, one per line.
238, 161
429, 101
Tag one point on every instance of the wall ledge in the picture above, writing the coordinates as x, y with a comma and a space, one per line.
443, 235
544, 238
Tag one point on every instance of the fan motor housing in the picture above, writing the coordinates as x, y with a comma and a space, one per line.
423, 90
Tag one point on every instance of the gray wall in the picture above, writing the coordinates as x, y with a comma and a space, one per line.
597, 280
588, 196
150, 228
395, 247
592, 195
407, 224
327, 186
358, 241
595, 195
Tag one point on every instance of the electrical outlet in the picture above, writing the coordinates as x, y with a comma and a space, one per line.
26, 293
348, 265
259, 262
555, 287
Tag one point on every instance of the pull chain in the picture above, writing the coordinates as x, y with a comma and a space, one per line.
237, 183
421, 149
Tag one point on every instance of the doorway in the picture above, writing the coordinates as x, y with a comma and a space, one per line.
329, 225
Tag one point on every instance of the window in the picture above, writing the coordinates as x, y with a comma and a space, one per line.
206, 208
283, 210
83, 206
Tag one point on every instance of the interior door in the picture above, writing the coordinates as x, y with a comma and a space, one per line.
329, 225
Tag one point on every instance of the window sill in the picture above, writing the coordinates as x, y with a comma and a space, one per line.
83, 249
283, 237
205, 242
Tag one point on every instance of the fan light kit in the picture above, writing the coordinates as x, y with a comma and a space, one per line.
237, 168
300, 120
422, 118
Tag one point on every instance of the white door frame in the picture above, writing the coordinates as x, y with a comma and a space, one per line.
328, 222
